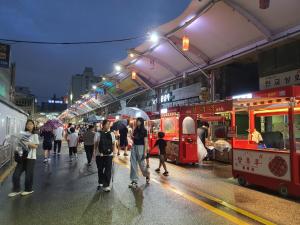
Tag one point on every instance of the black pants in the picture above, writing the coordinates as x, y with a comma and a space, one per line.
26, 165
104, 165
57, 144
89, 149
72, 150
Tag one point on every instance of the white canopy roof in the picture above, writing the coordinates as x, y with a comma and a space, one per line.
218, 30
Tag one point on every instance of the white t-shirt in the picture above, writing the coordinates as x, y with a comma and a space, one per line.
73, 139
33, 139
97, 140
58, 134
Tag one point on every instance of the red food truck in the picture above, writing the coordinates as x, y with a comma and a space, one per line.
179, 126
266, 147
153, 126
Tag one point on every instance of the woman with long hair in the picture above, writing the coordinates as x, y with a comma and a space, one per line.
139, 153
26, 162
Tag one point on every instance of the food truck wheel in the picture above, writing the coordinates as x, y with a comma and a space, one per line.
242, 181
283, 191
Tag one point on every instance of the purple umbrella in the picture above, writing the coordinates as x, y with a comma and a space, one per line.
50, 125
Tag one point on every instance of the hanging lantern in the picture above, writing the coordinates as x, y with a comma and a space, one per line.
264, 4
133, 75
185, 43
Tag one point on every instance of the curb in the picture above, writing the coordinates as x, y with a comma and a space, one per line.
6, 173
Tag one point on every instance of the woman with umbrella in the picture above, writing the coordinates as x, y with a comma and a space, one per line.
47, 134
138, 153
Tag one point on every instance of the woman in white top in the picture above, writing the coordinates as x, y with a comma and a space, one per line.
26, 163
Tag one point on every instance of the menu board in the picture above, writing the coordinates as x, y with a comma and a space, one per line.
269, 164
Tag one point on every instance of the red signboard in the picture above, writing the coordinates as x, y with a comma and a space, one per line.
291, 91
214, 107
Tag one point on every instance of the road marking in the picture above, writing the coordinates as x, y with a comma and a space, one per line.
232, 207
198, 202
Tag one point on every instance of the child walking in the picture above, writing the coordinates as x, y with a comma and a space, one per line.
161, 144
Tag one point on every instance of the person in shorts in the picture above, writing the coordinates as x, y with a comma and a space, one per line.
161, 144
73, 143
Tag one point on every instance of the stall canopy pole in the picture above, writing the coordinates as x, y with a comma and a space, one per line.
293, 154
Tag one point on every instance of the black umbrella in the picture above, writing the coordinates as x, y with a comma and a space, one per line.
119, 125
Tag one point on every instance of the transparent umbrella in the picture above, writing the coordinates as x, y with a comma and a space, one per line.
133, 112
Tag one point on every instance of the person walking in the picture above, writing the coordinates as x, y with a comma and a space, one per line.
58, 136
88, 140
161, 144
123, 139
47, 144
104, 151
26, 162
139, 153
73, 143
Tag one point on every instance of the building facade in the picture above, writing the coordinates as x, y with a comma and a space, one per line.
54, 104
82, 83
25, 100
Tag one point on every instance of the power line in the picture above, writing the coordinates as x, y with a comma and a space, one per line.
71, 43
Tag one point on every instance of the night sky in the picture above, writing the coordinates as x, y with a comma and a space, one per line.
48, 69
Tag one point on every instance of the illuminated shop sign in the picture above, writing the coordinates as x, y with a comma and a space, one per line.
281, 79
243, 96
165, 98
55, 102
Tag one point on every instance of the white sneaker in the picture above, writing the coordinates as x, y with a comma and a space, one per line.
24, 193
106, 189
49, 159
13, 194
45, 160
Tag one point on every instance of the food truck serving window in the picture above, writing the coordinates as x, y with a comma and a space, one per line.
169, 125
274, 130
188, 126
242, 124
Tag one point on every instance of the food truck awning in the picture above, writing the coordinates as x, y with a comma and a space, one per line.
218, 31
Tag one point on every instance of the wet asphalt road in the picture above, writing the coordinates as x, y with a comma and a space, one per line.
65, 193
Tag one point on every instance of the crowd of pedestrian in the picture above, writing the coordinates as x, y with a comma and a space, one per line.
100, 143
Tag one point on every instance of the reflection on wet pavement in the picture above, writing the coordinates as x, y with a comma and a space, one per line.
65, 193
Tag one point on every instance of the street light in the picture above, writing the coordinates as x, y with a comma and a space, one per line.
154, 37
94, 87
118, 68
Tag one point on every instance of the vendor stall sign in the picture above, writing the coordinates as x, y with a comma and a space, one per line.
214, 107
269, 164
4, 55
279, 80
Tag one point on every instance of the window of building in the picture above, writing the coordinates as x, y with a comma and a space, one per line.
174, 86
180, 85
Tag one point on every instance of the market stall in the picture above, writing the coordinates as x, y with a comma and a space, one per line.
266, 149
153, 126
179, 126
218, 116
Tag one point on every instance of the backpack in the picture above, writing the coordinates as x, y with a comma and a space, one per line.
105, 144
